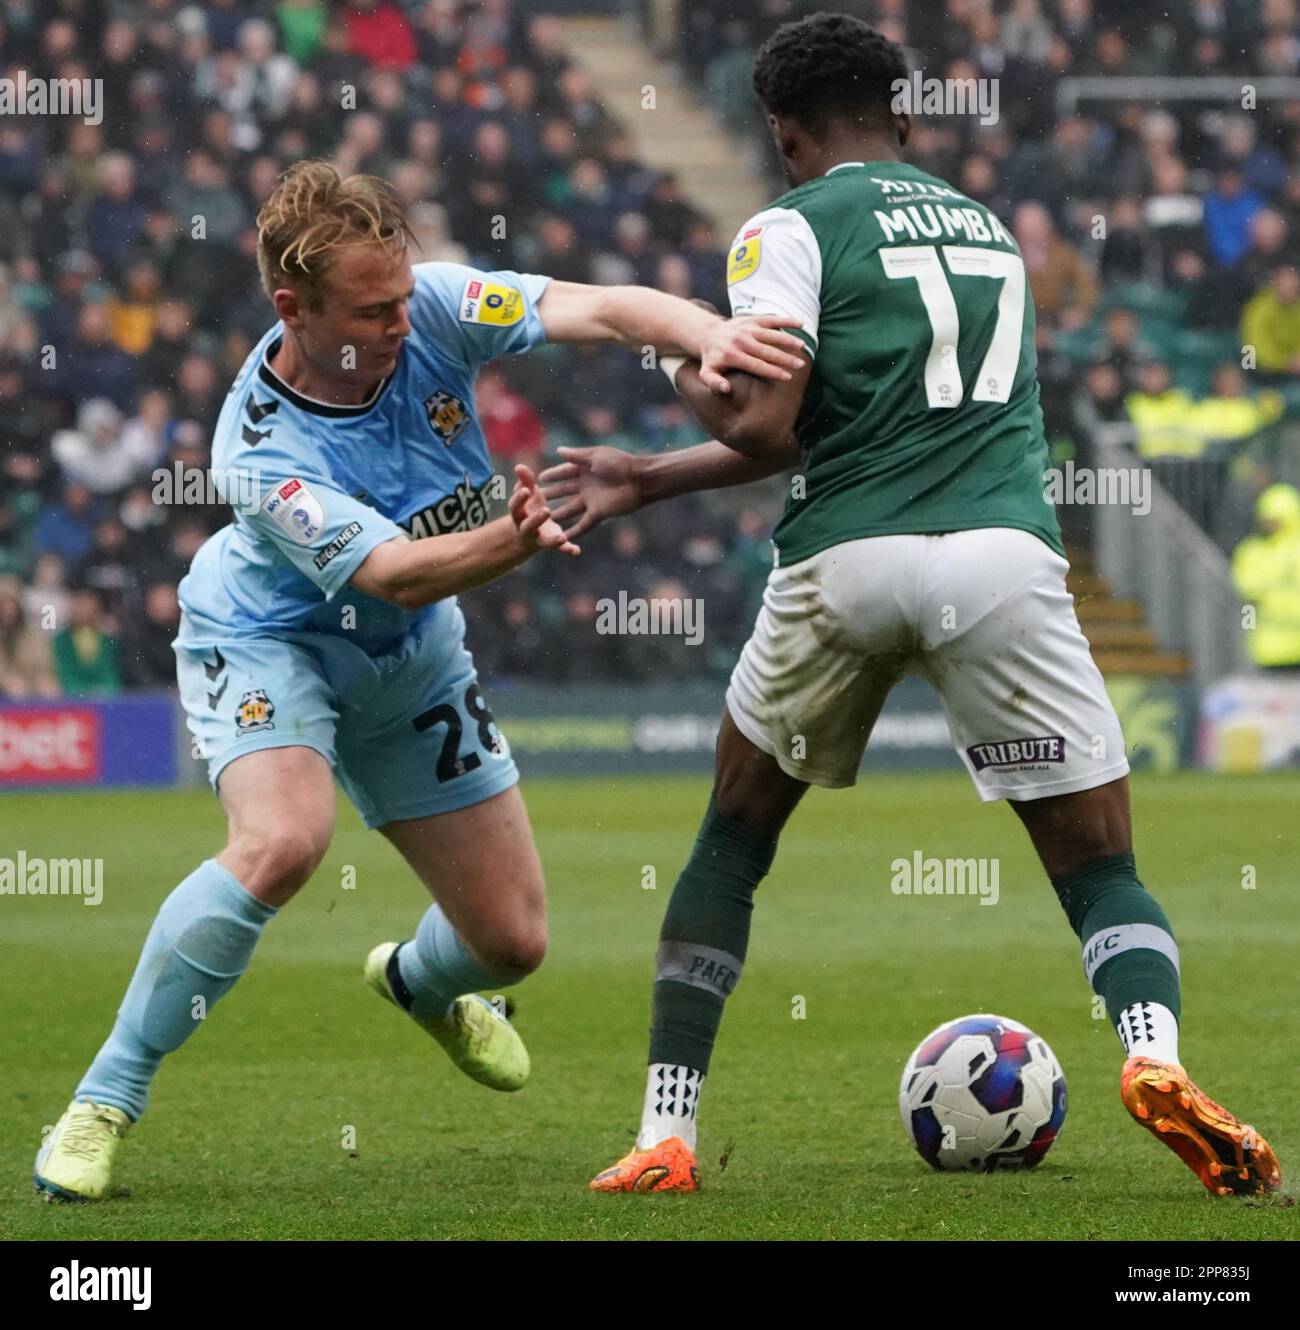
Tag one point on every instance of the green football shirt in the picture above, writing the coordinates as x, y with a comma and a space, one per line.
921, 413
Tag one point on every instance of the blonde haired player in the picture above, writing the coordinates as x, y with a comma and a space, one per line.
321, 637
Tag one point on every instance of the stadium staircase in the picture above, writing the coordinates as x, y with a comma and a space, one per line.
715, 172
1116, 628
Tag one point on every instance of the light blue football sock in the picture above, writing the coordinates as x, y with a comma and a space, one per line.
437, 968
200, 943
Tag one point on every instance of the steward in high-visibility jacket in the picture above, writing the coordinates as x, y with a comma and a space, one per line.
1266, 569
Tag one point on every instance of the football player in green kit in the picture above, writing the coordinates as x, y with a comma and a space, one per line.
918, 541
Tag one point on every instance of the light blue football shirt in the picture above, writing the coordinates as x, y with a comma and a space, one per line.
316, 487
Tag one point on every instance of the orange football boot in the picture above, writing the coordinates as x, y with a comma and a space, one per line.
668, 1166
1230, 1157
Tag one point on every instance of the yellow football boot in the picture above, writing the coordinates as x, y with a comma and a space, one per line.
75, 1160
474, 1035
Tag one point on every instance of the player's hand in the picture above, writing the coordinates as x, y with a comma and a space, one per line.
589, 485
754, 343
538, 530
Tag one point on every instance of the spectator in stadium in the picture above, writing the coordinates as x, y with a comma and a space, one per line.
1161, 414
147, 657
1173, 215
378, 32
15, 544
1063, 285
1121, 345
1125, 250
206, 199
91, 366
66, 528
1098, 407
271, 75
85, 655
1261, 167
23, 475
75, 271
26, 657
198, 391
511, 427
144, 435
1228, 214
116, 217
302, 26
1266, 570
1270, 323
46, 599
109, 568
98, 453
1229, 412
131, 315
222, 20
559, 252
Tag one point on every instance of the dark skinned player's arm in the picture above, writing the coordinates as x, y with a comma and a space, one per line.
756, 418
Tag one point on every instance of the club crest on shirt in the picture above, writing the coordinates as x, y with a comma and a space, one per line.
448, 415
255, 712
295, 510
745, 254
491, 302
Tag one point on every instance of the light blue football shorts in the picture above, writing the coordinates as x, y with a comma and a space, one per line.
407, 733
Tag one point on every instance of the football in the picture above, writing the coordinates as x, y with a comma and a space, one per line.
982, 1093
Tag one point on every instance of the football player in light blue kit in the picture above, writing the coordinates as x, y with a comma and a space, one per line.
321, 637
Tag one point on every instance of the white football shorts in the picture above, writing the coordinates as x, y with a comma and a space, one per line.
984, 615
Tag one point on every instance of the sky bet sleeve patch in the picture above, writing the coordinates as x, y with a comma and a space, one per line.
745, 255
295, 510
491, 302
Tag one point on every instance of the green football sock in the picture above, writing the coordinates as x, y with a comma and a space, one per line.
1129, 952
704, 939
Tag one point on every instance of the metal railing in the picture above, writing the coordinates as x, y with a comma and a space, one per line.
1163, 559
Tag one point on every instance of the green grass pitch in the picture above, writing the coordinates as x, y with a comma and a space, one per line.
246, 1134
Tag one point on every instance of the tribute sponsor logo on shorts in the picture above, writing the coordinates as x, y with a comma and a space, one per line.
296, 511
341, 541
464, 509
491, 302
1017, 752
255, 712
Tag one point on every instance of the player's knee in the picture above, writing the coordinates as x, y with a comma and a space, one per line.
512, 953
280, 860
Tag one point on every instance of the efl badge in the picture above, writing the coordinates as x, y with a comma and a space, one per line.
254, 712
490, 302
744, 256
296, 511
447, 414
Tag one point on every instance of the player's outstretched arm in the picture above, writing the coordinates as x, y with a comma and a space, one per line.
592, 485
638, 316
414, 573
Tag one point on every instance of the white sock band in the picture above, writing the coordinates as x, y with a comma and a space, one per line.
672, 1094
1149, 1030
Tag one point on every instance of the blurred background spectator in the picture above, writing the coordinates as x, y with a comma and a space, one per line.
1158, 242
1266, 569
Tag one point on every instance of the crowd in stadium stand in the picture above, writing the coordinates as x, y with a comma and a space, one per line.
506, 159
1159, 240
